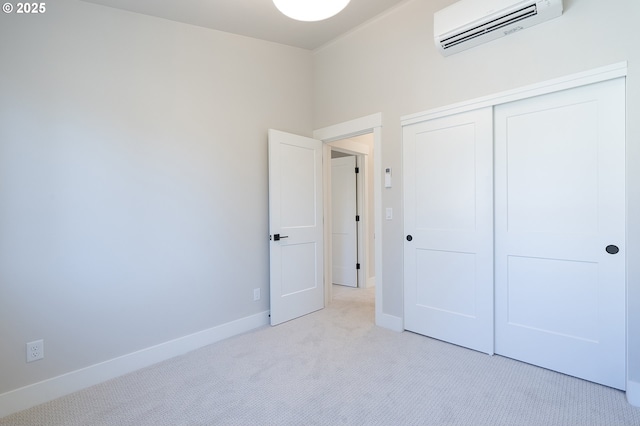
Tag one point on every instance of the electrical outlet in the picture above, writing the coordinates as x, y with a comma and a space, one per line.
35, 350
256, 294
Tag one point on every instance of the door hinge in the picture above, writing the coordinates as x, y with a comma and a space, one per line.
357, 218
357, 266
357, 169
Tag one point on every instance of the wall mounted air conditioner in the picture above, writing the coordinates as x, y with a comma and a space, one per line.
469, 23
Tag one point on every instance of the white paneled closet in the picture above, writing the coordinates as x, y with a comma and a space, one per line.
515, 225
448, 204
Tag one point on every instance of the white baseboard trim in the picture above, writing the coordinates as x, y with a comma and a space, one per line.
56, 387
389, 321
633, 393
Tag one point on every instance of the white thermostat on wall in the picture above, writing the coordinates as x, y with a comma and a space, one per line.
387, 177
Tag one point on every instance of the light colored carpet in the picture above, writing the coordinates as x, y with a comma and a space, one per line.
335, 367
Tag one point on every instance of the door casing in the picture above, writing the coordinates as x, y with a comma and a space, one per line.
359, 126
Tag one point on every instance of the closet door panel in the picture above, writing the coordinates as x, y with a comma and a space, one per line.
559, 170
448, 220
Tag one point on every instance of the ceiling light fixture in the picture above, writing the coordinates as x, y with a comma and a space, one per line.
310, 10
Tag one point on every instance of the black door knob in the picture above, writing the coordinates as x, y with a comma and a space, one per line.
409, 238
611, 249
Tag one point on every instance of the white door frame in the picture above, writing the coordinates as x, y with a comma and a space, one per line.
359, 126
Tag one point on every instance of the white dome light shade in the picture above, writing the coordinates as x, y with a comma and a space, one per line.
310, 10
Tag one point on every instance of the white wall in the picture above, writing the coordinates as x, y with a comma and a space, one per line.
133, 180
391, 66
133, 159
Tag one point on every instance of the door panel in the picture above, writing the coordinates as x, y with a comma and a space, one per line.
564, 175
298, 268
448, 196
541, 285
458, 296
295, 214
445, 197
560, 297
298, 186
343, 224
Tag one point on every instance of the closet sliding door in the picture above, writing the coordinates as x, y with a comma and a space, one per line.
560, 231
448, 247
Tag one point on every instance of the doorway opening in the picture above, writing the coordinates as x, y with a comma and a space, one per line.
351, 220
342, 133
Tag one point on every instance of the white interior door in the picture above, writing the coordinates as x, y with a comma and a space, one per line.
448, 219
560, 210
344, 240
295, 226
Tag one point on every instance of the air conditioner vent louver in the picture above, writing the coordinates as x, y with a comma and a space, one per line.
488, 27
469, 23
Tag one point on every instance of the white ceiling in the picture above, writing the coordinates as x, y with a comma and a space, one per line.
257, 18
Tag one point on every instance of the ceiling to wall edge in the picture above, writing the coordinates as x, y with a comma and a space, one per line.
366, 23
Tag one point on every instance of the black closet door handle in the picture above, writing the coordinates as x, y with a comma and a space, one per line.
278, 237
409, 238
611, 249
